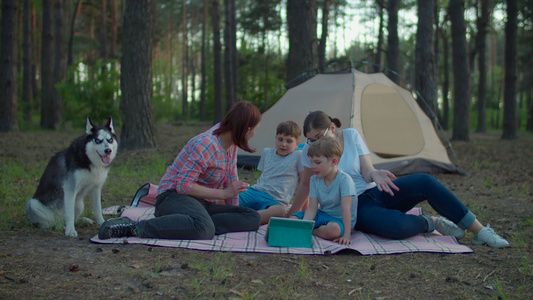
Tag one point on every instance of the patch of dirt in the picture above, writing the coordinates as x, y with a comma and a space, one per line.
37, 263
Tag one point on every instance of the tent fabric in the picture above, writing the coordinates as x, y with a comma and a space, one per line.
399, 135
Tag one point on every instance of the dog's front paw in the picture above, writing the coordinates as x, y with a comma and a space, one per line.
100, 221
71, 232
85, 221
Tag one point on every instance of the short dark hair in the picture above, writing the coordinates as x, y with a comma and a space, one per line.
326, 146
319, 120
289, 128
240, 118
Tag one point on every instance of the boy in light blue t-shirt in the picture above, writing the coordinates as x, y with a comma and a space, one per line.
281, 168
334, 190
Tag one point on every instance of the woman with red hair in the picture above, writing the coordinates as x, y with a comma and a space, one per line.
198, 196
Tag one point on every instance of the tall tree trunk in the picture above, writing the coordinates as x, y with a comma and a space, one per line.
103, 30
217, 49
436, 55
59, 66
113, 27
47, 67
267, 66
204, 72
445, 82
529, 96
8, 66
324, 36
184, 85
482, 25
70, 59
138, 118
303, 52
461, 108
393, 42
35, 62
228, 54
510, 113
170, 44
234, 52
27, 87
424, 60
379, 46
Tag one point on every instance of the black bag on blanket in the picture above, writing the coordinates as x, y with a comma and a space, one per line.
145, 196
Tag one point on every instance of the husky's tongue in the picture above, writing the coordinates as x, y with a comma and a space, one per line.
106, 159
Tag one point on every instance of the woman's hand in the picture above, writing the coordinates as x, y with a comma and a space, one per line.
383, 180
235, 188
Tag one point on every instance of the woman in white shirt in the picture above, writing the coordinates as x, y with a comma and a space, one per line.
385, 199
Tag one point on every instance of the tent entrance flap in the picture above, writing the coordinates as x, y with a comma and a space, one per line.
389, 125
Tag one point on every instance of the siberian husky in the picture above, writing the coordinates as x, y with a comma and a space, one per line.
70, 176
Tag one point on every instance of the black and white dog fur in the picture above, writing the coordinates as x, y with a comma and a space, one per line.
70, 176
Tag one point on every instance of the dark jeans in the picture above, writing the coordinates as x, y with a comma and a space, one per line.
184, 217
385, 215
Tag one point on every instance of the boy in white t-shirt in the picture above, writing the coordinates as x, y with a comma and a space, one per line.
334, 190
281, 168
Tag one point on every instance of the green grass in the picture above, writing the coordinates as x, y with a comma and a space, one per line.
17, 184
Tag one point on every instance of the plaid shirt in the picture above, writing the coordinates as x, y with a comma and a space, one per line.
205, 162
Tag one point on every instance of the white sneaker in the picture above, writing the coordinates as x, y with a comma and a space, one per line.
487, 236
448, 228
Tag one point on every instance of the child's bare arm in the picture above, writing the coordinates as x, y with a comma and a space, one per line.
346, 208
310, 212
302, 193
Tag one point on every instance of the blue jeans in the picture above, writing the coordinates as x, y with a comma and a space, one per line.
385, 215
184, 217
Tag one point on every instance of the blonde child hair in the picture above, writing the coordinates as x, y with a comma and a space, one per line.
326, 146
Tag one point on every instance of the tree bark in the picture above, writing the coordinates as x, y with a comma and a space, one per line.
70, 59
138, 118
303, 52
217, 49
482, 25
59, 66
424, 60
113, 27
35, 62
529, 96
103, 31
379, 46
204, 72
27, 87
234, 53
393, 42
461, 108
510, 111
8, 66
184, 70
446, 81
229, 48
47, 67
324, 36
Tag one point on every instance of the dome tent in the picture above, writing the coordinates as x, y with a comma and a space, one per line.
399, 135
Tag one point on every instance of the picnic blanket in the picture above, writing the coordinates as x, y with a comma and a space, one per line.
254, 241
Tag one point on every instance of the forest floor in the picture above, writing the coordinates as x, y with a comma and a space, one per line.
36, 263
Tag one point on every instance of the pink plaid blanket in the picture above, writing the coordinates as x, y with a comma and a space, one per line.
254, 241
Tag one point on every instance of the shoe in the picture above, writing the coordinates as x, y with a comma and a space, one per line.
117, 227
487, 236
448, 228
